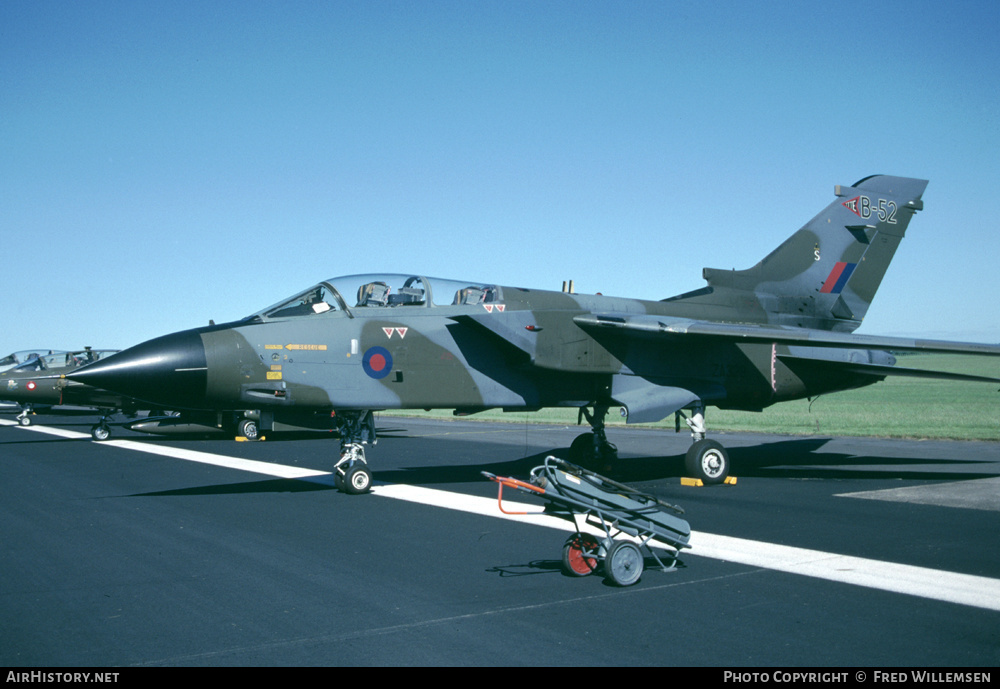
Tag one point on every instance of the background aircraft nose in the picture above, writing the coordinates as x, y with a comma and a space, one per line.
169, 371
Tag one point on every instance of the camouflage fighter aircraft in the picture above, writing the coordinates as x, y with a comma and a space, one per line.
39, 382
781, 330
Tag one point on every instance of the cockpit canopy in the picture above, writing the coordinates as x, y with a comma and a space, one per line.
17, 358
58, 360
353, 292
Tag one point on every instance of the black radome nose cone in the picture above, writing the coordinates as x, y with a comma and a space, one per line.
168, 371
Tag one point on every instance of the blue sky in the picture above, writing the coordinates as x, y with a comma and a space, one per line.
167, 163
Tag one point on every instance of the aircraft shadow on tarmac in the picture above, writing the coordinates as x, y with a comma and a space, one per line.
799, 458
795, 458
792, 458
278, 485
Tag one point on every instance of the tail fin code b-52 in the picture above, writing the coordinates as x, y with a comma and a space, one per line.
781, 330
824, 276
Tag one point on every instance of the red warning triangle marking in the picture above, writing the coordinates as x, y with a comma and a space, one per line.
852, 205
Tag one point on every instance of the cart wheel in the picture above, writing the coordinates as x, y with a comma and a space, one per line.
575, 563
623, 564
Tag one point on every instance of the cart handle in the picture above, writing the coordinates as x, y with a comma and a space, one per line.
513, 483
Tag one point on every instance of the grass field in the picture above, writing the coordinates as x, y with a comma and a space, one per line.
898, 407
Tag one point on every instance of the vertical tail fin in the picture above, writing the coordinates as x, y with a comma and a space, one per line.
826, 274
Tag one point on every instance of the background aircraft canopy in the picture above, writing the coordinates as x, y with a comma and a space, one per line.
64, 360
16, 358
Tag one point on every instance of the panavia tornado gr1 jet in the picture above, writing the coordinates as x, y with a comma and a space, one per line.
40, 382
778, 331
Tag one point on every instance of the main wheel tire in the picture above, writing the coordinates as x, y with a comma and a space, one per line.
581, 450
583, 453
100, 432
707, 460
623, 563
248, 429
575, 563
24, 420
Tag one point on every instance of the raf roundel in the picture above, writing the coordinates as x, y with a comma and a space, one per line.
377, 362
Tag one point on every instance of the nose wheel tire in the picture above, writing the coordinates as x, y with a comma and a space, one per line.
357, 480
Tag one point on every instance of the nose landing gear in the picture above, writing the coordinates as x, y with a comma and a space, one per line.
351, 473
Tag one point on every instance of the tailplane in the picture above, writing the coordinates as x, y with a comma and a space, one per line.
826, 274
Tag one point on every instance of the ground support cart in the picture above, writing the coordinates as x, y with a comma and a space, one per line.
612, 511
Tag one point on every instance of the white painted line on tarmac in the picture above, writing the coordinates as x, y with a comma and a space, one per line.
971, 494
963, 589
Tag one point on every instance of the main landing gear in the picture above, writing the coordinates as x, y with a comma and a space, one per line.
592, 450
357, 429
705, 459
